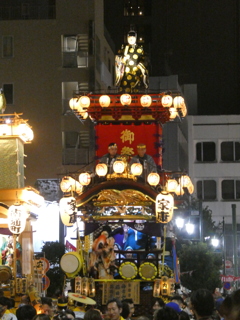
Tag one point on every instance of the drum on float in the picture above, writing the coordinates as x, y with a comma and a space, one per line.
71, 264
5, 273
128, 270
148, 271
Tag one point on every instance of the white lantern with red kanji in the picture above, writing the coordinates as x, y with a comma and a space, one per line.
146, 101
17, 216
126, 99
85, 178
104, 101
167, 101
101, 169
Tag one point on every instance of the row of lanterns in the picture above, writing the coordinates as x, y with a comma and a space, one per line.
68, 184
175, 104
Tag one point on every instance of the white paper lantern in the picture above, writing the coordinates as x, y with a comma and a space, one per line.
136, 169
125, 99
146, 101
167, 101
101, 169
153, 179
164, 207
84, 178
171, 185
17, 216
178, 102
118, 166
104, 101
67, 207
84, 102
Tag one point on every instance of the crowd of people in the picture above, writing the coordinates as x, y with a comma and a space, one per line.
201, 304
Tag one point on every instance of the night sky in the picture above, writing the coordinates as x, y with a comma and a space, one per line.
198, 40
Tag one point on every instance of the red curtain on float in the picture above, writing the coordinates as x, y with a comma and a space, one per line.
127, 137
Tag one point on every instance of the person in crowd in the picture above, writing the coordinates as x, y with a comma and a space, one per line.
25, 299
46, 307
202, 304
183, 315
146, 161
158, 304
177, 299
174, 306
25, 312
230, 307
166, 313
131, 307
4, 313
110, 157
93, 314
114, 309
62, 304
125, 310
79, 310
41, 317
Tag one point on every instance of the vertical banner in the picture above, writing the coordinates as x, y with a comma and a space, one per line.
128, 137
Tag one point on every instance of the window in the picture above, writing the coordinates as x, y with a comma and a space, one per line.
207, 190
231, 189
8, 92
75, 51
206, 151
72, 139
75, 147
7, 46
230, 151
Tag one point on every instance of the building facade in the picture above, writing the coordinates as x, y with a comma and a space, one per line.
49, 49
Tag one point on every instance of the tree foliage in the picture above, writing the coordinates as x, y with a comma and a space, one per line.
53, 253
199, 267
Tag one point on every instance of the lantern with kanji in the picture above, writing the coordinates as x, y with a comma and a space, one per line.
104, 101
167, 101
85, 178
126, 99
17, 216
101, 169
164, 207
67, 208
146, 101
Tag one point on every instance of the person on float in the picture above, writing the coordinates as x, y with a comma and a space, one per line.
130, 66
110, 157
146, 161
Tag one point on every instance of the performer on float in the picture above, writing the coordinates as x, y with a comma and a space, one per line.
146, 161
110, 157
131, 72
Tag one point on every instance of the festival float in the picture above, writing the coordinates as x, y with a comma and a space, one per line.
122, 209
